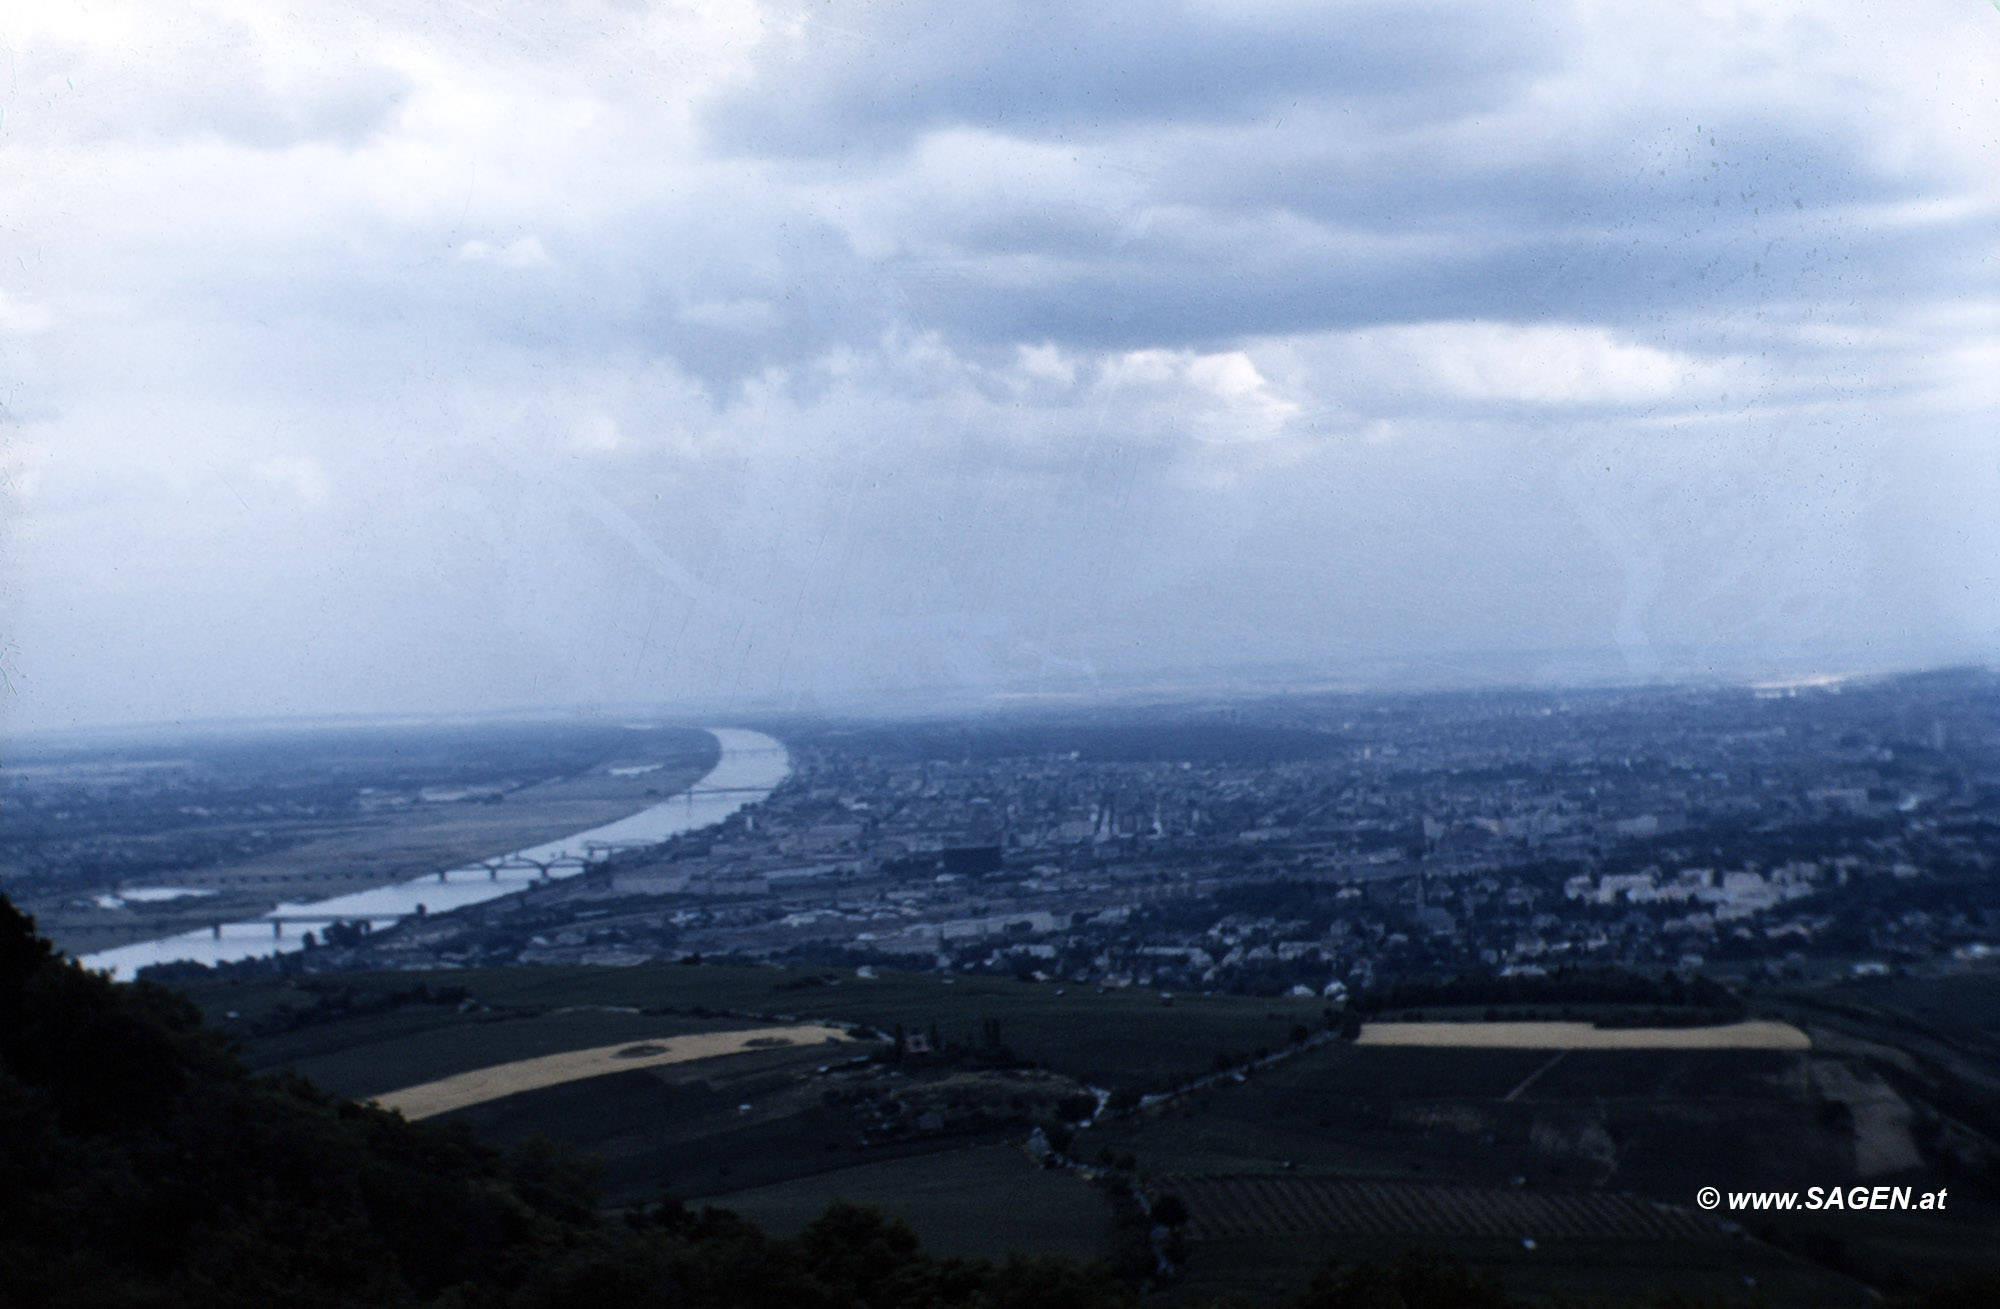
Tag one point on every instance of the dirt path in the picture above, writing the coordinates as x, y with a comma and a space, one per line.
481, 1084
1758, 1034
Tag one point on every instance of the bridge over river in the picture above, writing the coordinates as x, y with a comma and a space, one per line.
750, 767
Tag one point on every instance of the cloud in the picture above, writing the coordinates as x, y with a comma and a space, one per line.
303, 477
522, 252
868, 78
106, 73
1536, 364
22, 318
448, 357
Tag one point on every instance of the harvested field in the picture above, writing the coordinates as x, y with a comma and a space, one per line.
482, 1084
1226, 1207
1759, 1034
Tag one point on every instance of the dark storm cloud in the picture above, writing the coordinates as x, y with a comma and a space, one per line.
1207, 294
867, 78
1653, 164
1322, 168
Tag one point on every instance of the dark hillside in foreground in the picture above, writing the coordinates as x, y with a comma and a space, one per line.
141, 1165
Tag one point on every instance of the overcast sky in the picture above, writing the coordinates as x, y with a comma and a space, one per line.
446, 357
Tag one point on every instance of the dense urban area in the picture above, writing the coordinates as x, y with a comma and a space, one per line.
1322, 843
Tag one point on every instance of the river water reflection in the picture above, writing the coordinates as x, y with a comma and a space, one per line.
750, 768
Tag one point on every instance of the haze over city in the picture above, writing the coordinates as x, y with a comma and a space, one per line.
397, 358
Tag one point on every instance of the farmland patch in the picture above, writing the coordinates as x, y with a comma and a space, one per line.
979, 1202
1757, 1034
482, 1084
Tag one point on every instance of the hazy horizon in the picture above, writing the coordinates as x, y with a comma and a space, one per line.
749, 359
1171, 699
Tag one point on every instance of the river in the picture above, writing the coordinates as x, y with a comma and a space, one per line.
750, 767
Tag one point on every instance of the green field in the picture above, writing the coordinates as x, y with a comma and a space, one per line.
681, 1129
1376, 1111
1967, 1001
1657, 1123
982, 1202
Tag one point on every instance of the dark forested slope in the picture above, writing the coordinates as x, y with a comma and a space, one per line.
141, 1165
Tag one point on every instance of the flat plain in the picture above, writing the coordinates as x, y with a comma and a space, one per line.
318, 839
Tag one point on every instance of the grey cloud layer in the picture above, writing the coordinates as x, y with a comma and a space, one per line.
391, 357
861, 79
1240, 191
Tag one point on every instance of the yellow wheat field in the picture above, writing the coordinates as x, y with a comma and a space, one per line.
1758, 1034
482, 1084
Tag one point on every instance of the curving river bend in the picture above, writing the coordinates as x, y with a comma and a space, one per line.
750, 768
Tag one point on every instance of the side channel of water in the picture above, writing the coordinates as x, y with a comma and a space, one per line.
750, 768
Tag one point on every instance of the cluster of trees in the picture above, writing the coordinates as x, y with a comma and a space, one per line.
332, 1001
